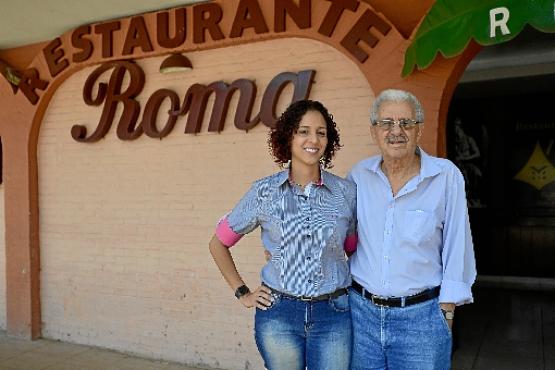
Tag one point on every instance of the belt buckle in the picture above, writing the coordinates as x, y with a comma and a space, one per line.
304, 298
383, 299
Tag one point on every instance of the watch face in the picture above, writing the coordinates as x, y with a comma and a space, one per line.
449, 315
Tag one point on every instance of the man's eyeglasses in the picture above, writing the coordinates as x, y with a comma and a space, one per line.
387, 124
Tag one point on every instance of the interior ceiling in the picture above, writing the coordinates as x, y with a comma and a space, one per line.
26, 22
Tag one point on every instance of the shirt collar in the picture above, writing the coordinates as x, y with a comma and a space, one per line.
282, 177
428, 166
325, 178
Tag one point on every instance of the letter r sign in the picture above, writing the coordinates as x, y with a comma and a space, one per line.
498, 17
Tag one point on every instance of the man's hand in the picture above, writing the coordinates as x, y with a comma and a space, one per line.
450, 307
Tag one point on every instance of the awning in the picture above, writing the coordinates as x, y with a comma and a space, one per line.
451, 24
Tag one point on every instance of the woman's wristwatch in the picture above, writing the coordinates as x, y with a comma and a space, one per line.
241, 291
449, 315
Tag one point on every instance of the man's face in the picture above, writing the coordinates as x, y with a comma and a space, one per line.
396, 142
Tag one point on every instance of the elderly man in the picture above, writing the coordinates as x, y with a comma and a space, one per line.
415, 261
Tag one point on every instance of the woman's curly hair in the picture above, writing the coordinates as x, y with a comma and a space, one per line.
279, 139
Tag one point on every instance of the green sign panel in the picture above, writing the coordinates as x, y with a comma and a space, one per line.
451, 24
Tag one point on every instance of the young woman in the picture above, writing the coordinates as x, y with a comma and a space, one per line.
307, 217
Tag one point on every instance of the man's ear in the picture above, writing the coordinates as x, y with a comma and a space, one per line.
373, 134
420, 130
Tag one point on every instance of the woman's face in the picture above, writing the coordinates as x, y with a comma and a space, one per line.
310, 140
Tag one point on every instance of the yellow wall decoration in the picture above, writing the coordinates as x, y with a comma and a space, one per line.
538, 171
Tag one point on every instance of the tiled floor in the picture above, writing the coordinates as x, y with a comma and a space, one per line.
506, 330
46, 354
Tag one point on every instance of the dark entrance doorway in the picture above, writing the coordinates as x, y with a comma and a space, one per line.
501, 134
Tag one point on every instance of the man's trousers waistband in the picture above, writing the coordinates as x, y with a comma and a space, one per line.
396, 301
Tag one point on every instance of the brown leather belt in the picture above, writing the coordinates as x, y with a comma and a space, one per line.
396, 301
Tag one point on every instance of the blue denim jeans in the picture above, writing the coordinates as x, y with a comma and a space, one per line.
294, 335
412, 337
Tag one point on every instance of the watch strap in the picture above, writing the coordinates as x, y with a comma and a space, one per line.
241, 291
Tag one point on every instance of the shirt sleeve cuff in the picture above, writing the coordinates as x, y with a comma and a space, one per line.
455, 292
350, 244
226, 235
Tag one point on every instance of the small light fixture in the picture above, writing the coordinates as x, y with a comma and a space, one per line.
10, 74
176, 63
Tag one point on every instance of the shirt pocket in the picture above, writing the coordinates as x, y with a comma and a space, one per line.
271, 219
333, 261
326, 229
272, 226
418, 226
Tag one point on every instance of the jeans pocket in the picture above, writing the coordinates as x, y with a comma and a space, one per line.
340, 304
277, 300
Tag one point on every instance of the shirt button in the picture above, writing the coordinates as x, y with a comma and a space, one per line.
383, 282
308, 218
308, 258
308, 236
309, 281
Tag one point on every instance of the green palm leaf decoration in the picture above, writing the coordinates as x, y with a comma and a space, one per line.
451, 24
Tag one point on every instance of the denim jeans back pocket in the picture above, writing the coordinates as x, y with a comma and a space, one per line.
340, 304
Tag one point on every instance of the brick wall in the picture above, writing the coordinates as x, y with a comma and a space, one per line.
124, 226
2, 262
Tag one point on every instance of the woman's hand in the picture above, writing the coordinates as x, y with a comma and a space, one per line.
261, 298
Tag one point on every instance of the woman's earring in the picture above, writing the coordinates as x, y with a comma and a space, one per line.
288, 164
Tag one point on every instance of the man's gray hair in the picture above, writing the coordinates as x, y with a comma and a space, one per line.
398, 96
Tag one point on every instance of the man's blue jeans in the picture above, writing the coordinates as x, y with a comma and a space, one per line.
412, 337
293, 334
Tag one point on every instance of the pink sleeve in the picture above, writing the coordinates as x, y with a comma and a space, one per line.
350, 244
227, 236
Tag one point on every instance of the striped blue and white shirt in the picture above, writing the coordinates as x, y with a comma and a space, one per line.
306, 232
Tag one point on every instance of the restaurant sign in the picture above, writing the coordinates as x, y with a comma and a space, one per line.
191, 28
194, 103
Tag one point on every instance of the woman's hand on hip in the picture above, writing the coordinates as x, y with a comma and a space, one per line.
260, 298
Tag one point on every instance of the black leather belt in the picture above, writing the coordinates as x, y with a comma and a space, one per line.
396, 301
324, 297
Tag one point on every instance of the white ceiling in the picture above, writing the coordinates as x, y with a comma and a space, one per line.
27, 22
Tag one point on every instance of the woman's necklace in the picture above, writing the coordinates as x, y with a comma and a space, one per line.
301, 185
293, 181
